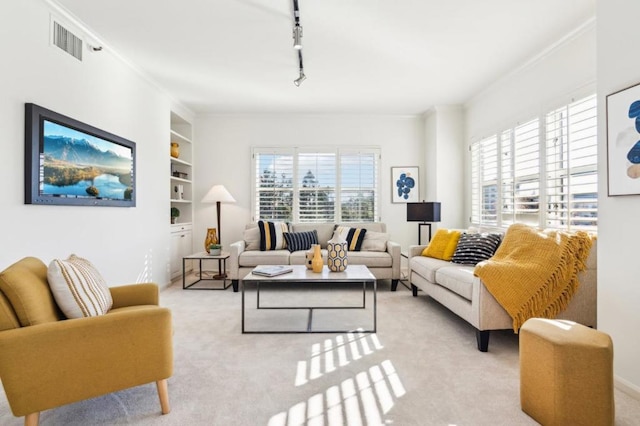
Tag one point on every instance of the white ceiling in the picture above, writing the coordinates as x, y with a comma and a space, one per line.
360, 56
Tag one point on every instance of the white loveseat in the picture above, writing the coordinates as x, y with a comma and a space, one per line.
456, 287
378, 253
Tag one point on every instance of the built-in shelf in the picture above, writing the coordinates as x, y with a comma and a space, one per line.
181, 191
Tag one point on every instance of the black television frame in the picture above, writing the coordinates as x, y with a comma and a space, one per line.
35, 116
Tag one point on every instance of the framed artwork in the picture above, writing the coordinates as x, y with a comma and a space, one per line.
405, 186
623, 142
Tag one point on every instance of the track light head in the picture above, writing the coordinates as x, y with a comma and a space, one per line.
298, 81
297, 37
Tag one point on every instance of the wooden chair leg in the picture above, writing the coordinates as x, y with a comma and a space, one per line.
32, 419
163, 393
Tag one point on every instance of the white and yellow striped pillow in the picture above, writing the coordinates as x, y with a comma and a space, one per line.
79, 289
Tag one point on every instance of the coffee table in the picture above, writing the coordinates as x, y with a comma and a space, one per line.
354, 275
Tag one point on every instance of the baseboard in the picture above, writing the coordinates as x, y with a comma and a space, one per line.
627, 387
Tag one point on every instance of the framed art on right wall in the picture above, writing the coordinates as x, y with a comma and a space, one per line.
623, 142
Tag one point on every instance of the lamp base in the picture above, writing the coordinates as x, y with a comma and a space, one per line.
420, 225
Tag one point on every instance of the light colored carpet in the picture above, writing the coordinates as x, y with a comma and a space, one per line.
420, 368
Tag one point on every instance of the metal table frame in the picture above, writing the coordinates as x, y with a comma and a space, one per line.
357, 275
222, 268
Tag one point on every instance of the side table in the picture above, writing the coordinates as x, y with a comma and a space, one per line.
222, 271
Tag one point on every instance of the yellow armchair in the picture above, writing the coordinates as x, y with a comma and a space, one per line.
47, 361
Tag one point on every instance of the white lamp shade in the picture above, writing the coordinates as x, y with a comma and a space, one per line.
218, 193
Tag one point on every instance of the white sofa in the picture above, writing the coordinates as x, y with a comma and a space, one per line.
383, 262
455, 287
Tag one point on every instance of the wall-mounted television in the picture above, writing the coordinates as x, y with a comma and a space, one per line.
73, 163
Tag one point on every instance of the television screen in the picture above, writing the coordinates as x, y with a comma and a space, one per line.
69, 162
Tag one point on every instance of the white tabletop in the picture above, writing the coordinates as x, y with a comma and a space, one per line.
302, 273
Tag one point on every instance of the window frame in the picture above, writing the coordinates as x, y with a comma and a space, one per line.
508, 177
296, 154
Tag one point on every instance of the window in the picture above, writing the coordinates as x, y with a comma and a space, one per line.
304, 185
541, 172
571, 162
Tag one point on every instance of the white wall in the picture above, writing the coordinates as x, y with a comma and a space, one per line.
223, 147
126, 244
548, 80
618, 270
444, 157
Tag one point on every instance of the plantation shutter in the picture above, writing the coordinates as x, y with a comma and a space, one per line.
484, 181
273, 183
508, 194
571, 166
358, 185
316, 183
526, 172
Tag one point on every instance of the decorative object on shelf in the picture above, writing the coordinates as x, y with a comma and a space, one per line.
404, 184
210, 239
179, 190
175, 149
337, 254
218, 194
215, 249
316, 262
623, 142
423, 212
180, 175
175, 214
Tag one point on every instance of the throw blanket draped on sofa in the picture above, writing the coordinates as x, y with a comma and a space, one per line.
535, 273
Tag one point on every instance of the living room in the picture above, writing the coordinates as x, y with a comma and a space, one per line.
132, 244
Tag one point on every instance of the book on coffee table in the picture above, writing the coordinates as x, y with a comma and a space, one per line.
272, 271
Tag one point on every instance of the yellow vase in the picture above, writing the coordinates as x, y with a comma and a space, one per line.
175, 150
211, 238
316, 262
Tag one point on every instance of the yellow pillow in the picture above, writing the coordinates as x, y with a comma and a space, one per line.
443, 244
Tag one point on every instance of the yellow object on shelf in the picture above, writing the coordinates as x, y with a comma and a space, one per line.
175, 149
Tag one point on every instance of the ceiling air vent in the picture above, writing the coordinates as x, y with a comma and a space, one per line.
67, 41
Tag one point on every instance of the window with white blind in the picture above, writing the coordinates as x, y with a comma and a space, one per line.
541, 172
572, 166
305, 185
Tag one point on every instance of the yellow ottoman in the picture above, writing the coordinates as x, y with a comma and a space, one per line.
566, 373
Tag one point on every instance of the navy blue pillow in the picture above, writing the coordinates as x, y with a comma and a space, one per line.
300, 240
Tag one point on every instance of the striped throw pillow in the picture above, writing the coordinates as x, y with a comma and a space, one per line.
272, 235
300, 240
353, 236
474, 248
79, 289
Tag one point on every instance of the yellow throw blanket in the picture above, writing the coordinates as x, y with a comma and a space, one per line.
535, 273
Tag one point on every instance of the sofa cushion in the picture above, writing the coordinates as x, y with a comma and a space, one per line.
25, 287
257, 257
474, 248
251, 238
353, 236
300, 240
324, 230
272, 235
79, 288
426, 267
458, 279
300, 257
372, 259
443, 244
375, 241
